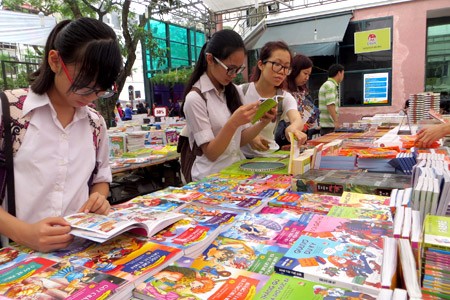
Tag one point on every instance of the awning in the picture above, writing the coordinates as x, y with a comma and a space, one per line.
21, 28
314, 37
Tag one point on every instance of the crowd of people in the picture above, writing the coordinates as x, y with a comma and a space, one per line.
66, 169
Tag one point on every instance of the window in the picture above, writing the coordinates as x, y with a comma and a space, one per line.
437, 77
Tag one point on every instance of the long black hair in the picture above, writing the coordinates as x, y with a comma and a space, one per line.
91, 45
222, 44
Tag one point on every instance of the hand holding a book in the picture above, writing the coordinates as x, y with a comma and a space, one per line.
243, 114
47, 235
299, 135
427, 136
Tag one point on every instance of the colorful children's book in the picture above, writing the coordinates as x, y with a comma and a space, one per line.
10, 256
100, 228
181, 281
285, 213
368, 234
189, 235
209, 215
244, 255
149, 202
67, 281
216, 183
265, 229
233, 201
126, 256
359, 213
282, 287
177, 193
305, 202
339, 264
22, 270
265, 105
264, 185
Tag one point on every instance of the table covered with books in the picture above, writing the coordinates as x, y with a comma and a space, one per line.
322, 234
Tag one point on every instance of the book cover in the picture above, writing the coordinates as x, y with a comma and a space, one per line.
265, 105
189, 235
265, 229
66, 281
437, 232
282, 287
305, 202
264, 185
177, 193
149, 202
360, 213
338, 264
233, 201
181, 281
209, 215
285, 213
126, 256
238, 254
22, 270
10, 256
100, 228
362, 233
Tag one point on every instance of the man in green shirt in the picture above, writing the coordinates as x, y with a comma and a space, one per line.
329, 99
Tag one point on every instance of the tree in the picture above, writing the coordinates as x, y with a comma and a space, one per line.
133, 31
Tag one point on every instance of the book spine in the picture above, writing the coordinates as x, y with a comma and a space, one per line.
315, 278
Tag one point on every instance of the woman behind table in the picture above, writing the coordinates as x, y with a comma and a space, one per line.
57, 158
219, 125
274, 64
297, 85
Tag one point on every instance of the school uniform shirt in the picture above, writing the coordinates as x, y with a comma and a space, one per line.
53, 165
267, 133
204, 120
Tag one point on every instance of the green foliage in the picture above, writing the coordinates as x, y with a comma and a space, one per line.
177, 76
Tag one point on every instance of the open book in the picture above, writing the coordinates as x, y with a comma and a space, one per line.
100, 228
266, 105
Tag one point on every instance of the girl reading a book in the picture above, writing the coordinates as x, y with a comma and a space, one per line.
62, 166
274, 64
216, 120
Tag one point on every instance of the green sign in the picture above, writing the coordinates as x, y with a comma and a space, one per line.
373, 40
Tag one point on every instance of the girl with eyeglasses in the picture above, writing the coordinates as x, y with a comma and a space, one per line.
216, 120
62, 165
273, 65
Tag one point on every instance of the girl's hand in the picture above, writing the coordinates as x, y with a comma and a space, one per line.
427, 136
300, 136
97, 203
270, 116
259, 143
46, 235
244, 114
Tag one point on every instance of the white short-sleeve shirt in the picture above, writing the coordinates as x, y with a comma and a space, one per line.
53, 165
252, 95
204, 121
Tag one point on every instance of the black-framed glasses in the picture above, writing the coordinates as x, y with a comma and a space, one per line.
86, 91
230, 71
277, 67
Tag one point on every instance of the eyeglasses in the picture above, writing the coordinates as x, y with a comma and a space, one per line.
277, 67
230, 71
86, 91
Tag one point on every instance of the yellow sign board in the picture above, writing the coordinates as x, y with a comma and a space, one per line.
373, 40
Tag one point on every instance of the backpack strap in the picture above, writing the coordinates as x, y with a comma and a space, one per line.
97, 127
7, 155
245, 87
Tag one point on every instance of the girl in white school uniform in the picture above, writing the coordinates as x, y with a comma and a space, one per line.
215, 117
273, 65
61, 167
